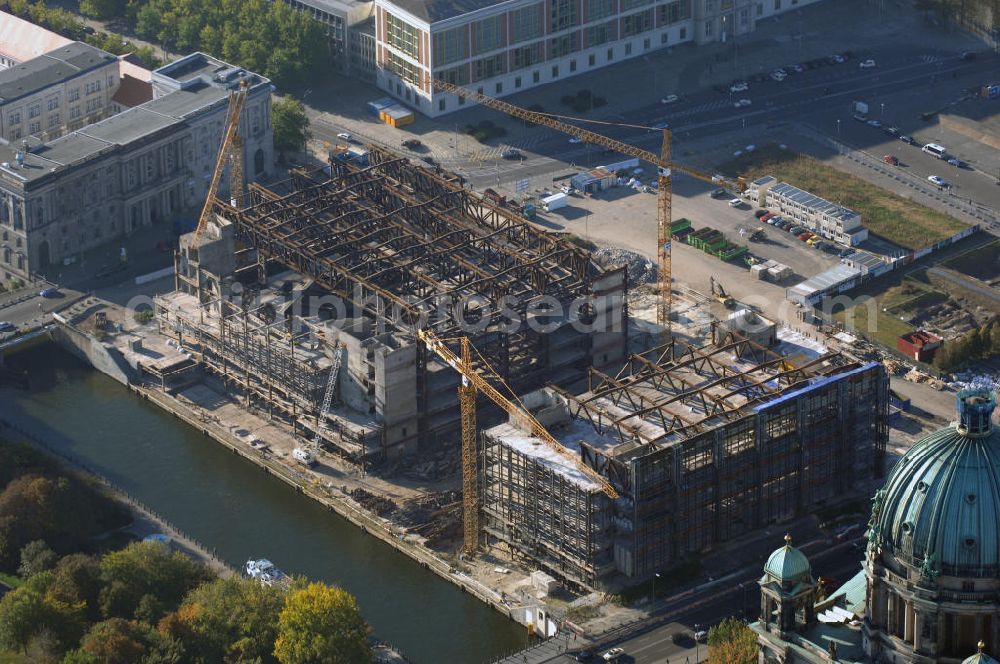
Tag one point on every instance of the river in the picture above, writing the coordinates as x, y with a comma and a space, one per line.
229, 504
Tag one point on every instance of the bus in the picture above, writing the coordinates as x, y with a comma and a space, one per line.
935, 150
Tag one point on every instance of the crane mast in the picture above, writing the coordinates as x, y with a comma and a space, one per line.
231, 145
472, 384
665, 169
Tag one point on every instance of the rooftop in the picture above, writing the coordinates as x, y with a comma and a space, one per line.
49, 69
827, 279
811, 201
432, 11
22, 40
133, 124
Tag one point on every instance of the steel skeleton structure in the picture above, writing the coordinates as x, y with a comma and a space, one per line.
703, 443
408, 248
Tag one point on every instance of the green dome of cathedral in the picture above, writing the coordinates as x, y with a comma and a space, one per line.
980, 657
788, 564
940, 508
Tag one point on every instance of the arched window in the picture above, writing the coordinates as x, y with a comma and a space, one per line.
258, 161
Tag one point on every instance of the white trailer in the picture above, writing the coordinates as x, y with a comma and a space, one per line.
554, 202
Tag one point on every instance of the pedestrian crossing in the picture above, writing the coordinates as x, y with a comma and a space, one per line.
931, 59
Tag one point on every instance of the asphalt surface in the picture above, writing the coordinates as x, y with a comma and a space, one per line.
907, 81
651, 641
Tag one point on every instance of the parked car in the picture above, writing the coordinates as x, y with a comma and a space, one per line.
613, 654
576, 139
583, 656
874, 123
891, 159
908, 140
739, 86
813, 240
7, 326
718, 193
804, 236
778, 75
796, 230
786, 226
742, 103
735, 203
938, 180
761, 213
511, 153
344, 135
892, 131
411, 143
49, 292
836, 59
957, 163
798, 69
670, 99
701, 636
867, 64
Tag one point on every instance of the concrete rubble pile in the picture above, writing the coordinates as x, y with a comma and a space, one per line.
640, 269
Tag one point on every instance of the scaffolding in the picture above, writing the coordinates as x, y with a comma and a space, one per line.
710, 443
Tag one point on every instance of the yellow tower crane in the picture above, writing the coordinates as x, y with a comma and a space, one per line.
664, 168
231, 149
473, 382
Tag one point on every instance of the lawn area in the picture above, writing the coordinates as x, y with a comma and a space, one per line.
10, 580
980, 263
901, 221
885, 329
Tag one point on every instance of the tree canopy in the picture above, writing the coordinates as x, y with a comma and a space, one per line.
322, 623
291, 125
732, 642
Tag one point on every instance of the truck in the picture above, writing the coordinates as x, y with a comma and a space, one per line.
554, 202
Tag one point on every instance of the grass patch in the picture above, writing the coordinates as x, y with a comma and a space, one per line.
885, 328
892, 217
981, 263
10, 580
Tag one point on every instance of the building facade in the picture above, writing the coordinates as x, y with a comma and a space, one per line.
831, 221
499, 48
929, 588
59, 91
692, 468
144, 166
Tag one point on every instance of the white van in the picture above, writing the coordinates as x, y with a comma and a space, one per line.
935, 149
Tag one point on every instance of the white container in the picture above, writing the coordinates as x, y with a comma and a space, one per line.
554, 202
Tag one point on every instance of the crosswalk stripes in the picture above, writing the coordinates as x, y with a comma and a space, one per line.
931, 59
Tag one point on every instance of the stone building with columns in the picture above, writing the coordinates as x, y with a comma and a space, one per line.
142, 167
929, 588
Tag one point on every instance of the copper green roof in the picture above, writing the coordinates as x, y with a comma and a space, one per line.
788, 563
980, 657
940, 508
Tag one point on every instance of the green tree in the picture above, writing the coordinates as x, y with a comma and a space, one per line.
117, 641
146, 568
291, 125
77, 578
102, 9
228, 620
732, 642
36, 556
31, 611
322, 623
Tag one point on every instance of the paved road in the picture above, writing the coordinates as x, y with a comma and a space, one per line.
650, 641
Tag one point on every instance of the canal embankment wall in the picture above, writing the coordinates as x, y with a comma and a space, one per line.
110, 362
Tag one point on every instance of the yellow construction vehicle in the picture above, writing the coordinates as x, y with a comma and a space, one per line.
720, 294
662, 161
473, 382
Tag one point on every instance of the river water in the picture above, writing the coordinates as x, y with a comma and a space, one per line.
231, 505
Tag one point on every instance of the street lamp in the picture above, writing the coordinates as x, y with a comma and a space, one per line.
882, 112
697, 645
838, 128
